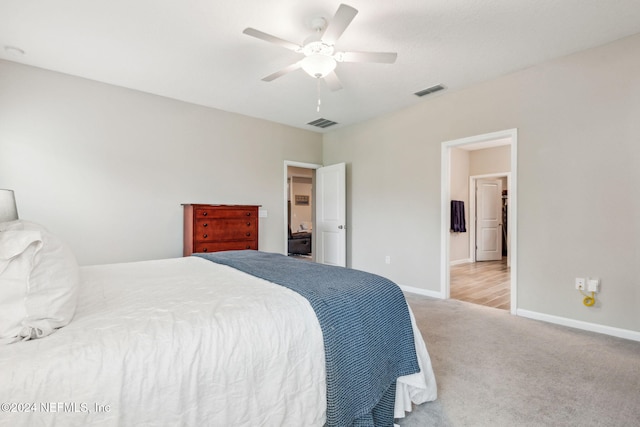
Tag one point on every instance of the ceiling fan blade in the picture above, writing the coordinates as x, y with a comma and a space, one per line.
339, 23
379, 57
333, 82
272, 39
282, 72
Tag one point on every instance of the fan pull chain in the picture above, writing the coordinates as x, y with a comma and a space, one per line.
319, 102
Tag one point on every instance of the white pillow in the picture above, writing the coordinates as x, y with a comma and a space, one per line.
38, 282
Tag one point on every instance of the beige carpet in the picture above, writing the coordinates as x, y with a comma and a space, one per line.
496, 369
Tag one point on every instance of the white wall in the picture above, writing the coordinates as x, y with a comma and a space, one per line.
301, 214
578, 175
107, 168
459, 186
490, 160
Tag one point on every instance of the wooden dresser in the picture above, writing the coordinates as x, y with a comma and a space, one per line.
213, 228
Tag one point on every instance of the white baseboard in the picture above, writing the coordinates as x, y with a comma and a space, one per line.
461, 261
579, 324
564, 321
423, 292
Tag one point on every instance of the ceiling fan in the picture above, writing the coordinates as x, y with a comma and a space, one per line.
320, 57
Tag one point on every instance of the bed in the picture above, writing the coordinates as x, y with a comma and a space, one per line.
184, 341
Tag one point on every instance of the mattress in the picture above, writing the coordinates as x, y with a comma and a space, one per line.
180, 342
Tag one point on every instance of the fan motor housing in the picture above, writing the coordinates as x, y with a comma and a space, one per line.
317, 47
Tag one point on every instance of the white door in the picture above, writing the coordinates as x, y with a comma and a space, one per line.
331, 215
488, 220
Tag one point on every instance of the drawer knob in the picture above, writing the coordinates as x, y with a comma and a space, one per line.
204, 213
204, 250
248, 234
248, 246
205, 224
248, 224
205, 236
248, 213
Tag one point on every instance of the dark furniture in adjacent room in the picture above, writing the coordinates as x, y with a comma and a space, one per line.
299, 243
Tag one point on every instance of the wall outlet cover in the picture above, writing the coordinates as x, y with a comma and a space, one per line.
593, 285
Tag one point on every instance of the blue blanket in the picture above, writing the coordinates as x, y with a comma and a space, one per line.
366, 328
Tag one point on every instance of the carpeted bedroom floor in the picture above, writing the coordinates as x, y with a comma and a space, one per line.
495, 369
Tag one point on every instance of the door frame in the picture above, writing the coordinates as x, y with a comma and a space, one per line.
473, 180
445, 208
313, 166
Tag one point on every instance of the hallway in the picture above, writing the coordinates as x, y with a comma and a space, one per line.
486, 283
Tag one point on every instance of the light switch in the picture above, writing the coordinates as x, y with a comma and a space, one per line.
262, 213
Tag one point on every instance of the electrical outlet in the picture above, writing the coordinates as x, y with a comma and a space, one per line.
387, 259
580, 283
593, 284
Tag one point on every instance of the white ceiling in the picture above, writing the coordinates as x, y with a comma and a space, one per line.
194, 50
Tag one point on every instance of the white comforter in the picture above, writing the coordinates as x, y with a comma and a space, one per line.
179, 342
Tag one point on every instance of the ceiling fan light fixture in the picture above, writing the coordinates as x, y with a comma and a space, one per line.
321, 58
318, 65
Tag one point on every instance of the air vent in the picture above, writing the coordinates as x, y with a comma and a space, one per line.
322, 123
429, 90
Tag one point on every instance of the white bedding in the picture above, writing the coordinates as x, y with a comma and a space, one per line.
179, 342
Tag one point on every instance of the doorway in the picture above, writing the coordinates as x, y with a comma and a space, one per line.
327, 204
484, 278
300, 211
463, 275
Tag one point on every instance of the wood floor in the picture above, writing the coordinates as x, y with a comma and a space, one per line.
486, 283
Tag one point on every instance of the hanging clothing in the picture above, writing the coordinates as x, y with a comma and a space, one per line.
458, 224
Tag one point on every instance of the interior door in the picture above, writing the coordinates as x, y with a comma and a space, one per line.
331, 215
488, 220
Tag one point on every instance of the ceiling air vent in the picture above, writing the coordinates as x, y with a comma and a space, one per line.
322, 123
429, 90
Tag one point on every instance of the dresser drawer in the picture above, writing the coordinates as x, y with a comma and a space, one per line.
225, 229
225, 246
225, 213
